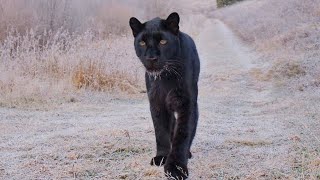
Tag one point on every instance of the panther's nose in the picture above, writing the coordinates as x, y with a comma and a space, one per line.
152, 59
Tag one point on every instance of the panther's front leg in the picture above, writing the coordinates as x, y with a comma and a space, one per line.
176, 164
162, 129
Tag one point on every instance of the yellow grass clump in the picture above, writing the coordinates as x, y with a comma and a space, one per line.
93, 76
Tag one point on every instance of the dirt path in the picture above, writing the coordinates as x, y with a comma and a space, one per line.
246, 130
241, 122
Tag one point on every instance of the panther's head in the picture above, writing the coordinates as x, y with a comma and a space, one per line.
157, 43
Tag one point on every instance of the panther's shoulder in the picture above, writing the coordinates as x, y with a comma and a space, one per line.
186, 38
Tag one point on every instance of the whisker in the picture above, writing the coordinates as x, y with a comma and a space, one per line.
175, 72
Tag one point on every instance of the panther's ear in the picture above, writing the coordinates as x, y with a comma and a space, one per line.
136, 26
172, 23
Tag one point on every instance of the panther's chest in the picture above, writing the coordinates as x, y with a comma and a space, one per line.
159, 91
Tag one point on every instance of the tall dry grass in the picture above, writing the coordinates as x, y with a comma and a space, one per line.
65, 63
286, 32
46, 47
50, 50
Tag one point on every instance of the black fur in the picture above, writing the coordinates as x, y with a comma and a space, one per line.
172, 73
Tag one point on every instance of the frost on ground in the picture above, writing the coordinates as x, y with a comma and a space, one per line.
286, 34
248, 129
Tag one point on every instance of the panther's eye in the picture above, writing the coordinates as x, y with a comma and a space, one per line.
142, 43
163, 42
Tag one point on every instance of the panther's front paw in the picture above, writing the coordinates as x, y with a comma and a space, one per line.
158, 161
174, 171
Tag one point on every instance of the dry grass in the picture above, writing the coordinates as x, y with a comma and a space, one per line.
33, 73
249, 142
307, 163
259, 74
286, 32
281, 69
222, 3
75, 45
94, 76
102, 17
287, 69
50, 58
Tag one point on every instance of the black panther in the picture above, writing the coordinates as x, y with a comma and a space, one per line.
172, 68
